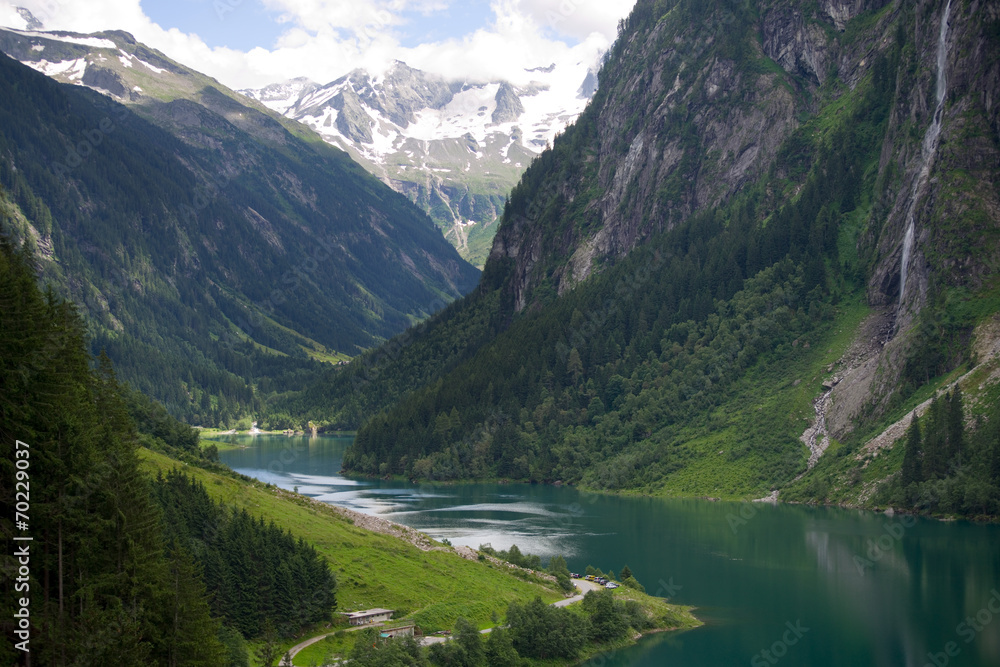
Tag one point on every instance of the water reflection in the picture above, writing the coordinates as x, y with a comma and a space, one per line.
866, 603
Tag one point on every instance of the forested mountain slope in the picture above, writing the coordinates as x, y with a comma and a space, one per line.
99, 576
132, 548
216, 255
716, 243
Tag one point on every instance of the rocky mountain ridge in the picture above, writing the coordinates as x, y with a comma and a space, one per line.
455, 148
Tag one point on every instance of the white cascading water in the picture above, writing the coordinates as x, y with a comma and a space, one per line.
931, 140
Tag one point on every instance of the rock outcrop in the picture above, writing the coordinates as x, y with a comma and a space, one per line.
682, 126
509, 107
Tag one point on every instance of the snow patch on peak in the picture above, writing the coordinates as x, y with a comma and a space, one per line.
152, 68
92, 42
72, 69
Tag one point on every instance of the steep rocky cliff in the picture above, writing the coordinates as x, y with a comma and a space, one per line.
687, 118
692, 109
933, 228
774, 230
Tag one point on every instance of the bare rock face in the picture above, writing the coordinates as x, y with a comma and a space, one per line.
106, 80
509, 107
842, 11
651, 172
404, 92
799, 48
352, 121
968, 149
954, 208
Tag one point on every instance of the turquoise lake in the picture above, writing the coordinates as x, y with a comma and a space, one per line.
774, 584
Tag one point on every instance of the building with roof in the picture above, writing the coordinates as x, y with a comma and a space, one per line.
369, 616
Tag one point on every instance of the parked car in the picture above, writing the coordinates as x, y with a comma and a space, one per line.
574, 575
612, 585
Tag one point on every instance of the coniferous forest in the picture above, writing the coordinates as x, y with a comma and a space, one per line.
947, 466
124, 570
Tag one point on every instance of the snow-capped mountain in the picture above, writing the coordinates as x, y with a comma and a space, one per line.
455, 148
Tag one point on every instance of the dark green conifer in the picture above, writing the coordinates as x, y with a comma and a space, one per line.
912, 473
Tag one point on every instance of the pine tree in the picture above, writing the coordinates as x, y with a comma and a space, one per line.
912, 473
268, 652
626, 573
193, 635
956, 425
935, 442
235, 648
574, 366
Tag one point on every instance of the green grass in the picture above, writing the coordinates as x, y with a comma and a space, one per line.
432, 588
779, 395
322, 652
666, 617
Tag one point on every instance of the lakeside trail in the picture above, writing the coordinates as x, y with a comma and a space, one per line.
582, 585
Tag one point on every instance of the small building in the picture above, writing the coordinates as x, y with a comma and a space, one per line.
398, 630
369, 617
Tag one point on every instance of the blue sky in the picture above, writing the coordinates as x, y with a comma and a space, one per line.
250, 43
246, 24
228, 23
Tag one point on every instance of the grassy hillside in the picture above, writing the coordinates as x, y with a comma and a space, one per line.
433, 588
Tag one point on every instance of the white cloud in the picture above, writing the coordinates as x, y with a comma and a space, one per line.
324, 39
578, 19
9, 17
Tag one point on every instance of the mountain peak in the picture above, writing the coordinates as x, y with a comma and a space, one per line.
509, 107
455, 147
31, 22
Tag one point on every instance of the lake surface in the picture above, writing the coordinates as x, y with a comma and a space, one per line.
811, 586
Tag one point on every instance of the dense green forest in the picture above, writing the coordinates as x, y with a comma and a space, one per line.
117, 565
102, 587
668, 355
255, 573
629, 356
214, 268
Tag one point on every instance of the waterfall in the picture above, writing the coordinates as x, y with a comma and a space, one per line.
930, 146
